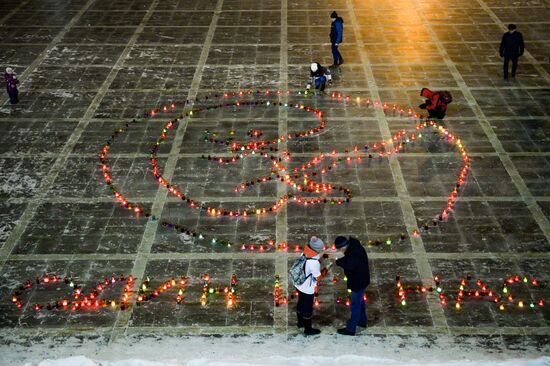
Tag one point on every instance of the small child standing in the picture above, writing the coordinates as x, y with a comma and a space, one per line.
11, 85
306, 291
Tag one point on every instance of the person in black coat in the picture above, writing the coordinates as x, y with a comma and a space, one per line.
511, 47
355, 264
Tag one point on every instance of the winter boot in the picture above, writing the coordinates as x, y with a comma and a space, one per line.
300, 322
308, 330
345, 331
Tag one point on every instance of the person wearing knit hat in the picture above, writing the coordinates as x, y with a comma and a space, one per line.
306, 291
10, 79
336, 37
355, 264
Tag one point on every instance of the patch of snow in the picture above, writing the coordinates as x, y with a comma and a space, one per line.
347, 360
186, 239
15, 184
63, 94
5, 230
328, 349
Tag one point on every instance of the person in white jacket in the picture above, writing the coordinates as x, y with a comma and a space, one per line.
306, 291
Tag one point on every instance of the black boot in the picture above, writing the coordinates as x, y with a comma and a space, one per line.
308, 330
300, 322
345, 331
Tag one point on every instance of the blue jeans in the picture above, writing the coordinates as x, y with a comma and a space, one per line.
358, 310
320, 83
336, 56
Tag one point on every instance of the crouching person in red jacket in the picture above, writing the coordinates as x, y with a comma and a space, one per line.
436, 102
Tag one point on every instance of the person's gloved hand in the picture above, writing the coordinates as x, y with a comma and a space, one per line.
308, 86
422, 106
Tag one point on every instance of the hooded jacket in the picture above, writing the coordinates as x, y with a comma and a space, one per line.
321, 71
356, 265
337, 31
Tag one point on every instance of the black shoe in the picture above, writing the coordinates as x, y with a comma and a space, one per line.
362, 325
308, 330
311, 331
300, 322
345, 331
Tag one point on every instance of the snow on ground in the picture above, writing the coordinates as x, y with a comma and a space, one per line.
294, 361
265, 350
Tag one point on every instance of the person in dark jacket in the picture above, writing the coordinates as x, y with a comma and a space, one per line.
10, 79
511, 47
435, 103
318, 76
355, 264
336, 37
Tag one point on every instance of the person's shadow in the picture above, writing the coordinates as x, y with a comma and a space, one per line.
336, 73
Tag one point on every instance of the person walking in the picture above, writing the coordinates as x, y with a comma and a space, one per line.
10, 79
306, 290
355, 264
511, 48
336, 37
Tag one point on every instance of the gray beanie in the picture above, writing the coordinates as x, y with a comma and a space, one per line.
316, 244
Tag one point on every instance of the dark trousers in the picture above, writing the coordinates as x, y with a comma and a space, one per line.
514, 65
436, 113
320, 83
336, 56
305, 305
14, 95
358, 310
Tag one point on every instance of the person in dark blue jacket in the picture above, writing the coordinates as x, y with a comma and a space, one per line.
511, 47
336, 37
355, 264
